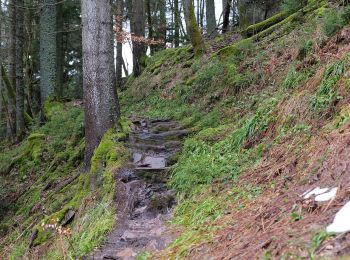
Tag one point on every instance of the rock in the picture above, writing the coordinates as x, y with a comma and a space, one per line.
161, 203
33, 237
127, 252
341, 223
68, 217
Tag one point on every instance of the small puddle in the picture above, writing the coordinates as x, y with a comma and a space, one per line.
144, 203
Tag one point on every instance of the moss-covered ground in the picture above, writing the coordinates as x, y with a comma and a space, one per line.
42, 179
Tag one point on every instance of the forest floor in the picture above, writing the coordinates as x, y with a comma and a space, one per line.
266, 121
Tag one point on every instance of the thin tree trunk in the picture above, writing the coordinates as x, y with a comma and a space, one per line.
20, 124
12, 68
1, 59
210, 16
162, 25
226, 18
137, 27
202, 14
149, 23
192, 28
100, 97
48, 49
177, 23
124, 68
60, 51
119, 61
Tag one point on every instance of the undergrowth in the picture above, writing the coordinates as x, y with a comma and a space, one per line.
43, 166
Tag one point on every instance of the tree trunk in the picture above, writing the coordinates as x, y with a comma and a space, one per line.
226, 17
1, 59
11, 120
137, 27
48, 49
60, 51
192, 28
149, 21
119, 61
210, 16
20, 124
176, 23
100, 97
162, 25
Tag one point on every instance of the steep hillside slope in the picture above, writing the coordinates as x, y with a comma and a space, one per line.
268, 113
270, 121
49, 208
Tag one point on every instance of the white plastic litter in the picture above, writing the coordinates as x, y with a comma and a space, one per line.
329, 195
316, 191
341, 222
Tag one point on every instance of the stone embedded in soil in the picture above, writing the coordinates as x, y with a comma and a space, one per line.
316, 191
321, 194
329, 195
341, 222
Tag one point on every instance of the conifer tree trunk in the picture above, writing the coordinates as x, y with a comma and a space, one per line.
149, 22
1, 59
119, 61
192, 28
176, 23
210, 16
20, 124
11, 118
48, 48
60, 51
100, 97
137, 27
162, 25
226, 15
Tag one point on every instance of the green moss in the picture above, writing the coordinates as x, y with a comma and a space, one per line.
256, 28
35, 146
52, 108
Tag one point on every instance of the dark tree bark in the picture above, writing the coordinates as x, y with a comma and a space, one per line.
226, 15
210, 16
192, 28
11, 119
1, 59
48, 49
20, 124
31, 57
119, 61
60, 51
149, 19
100, 97
162, 25
137, 27
177, 22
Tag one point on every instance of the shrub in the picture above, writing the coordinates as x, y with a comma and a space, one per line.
345, 16
292, 6
332, 22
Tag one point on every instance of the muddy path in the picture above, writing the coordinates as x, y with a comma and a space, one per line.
144, 202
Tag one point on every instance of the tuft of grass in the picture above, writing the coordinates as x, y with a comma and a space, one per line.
295, 78
332, 22
326, 96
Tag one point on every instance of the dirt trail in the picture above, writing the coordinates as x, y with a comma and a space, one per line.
143, 200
